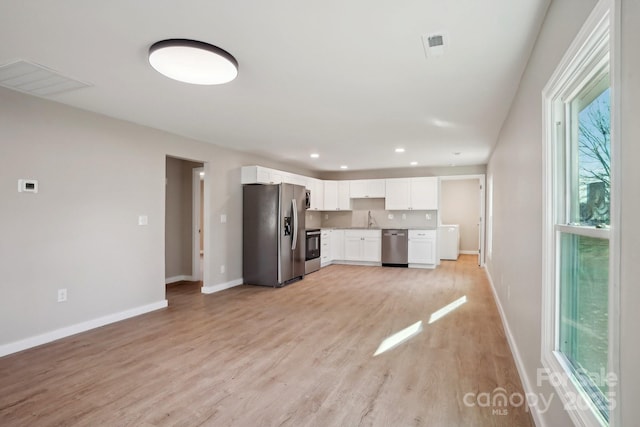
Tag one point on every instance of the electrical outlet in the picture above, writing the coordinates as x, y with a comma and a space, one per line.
390, 216
404, 216
222, 269
223, 218
62, 295
326, 216
143, 220
428, 216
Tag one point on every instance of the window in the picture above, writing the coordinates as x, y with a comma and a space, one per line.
577, 237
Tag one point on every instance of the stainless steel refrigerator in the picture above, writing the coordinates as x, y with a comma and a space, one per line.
273, 252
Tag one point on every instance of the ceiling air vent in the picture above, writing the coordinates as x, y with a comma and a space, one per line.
434, 44
36, 80
435, 41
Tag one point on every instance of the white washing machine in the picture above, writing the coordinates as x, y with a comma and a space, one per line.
449, 241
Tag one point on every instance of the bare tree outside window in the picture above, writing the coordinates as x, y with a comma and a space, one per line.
594, 147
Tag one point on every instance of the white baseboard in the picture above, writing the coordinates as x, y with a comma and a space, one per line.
426, 266
535, 412
181, 278
468, 252
221, 286
37, 340
365, 263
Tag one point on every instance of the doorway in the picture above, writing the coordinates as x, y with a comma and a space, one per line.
462, 203
184, 213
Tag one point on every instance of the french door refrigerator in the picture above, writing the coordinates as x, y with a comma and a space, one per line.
273, 251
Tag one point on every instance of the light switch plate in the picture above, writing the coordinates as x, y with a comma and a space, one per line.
223, 218
143, 220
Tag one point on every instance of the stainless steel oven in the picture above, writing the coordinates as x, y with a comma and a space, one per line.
312, 250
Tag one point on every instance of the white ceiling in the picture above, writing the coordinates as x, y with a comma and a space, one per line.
347, 79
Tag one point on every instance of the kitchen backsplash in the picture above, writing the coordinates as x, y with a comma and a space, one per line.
358, 217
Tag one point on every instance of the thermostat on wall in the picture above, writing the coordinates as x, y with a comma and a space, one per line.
27, 186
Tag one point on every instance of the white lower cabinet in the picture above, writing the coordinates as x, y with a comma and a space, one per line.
422, 248
337, 245
362, 245
325, 247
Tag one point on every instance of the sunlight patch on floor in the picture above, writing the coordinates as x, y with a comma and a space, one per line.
436, 315
399, 337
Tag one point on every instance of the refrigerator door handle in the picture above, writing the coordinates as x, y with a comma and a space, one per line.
294, 208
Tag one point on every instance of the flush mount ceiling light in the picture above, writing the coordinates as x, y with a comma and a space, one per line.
315, 155
344, 167
194, 62
399, 150
414, 163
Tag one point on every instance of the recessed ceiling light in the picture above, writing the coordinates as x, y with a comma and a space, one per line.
441, 123
344, 167
413, 163
192, 61
314, 155
399, 150
201, 173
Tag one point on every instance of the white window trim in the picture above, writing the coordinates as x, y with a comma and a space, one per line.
584, 53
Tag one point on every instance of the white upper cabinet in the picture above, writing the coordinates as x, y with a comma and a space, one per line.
331, 195
398, 194
336, 196
424, 193
344, 198
260, 175
316, 187
367, 188
412, 194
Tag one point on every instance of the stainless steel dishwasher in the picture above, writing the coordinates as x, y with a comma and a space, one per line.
395, 247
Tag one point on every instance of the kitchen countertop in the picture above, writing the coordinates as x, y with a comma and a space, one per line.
379, 228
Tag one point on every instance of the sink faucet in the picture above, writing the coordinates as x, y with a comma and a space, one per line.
369, 219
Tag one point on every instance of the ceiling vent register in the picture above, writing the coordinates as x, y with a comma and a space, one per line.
434, 44
37, 80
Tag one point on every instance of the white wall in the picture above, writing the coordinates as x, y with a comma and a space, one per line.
516, 166
80, 232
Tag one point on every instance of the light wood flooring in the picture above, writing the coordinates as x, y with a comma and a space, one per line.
297, 356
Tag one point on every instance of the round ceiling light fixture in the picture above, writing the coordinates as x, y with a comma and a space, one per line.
192, 61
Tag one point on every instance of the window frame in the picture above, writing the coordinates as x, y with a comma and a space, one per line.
582, 61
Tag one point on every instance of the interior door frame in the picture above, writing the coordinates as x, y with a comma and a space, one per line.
197, 181
482, 178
